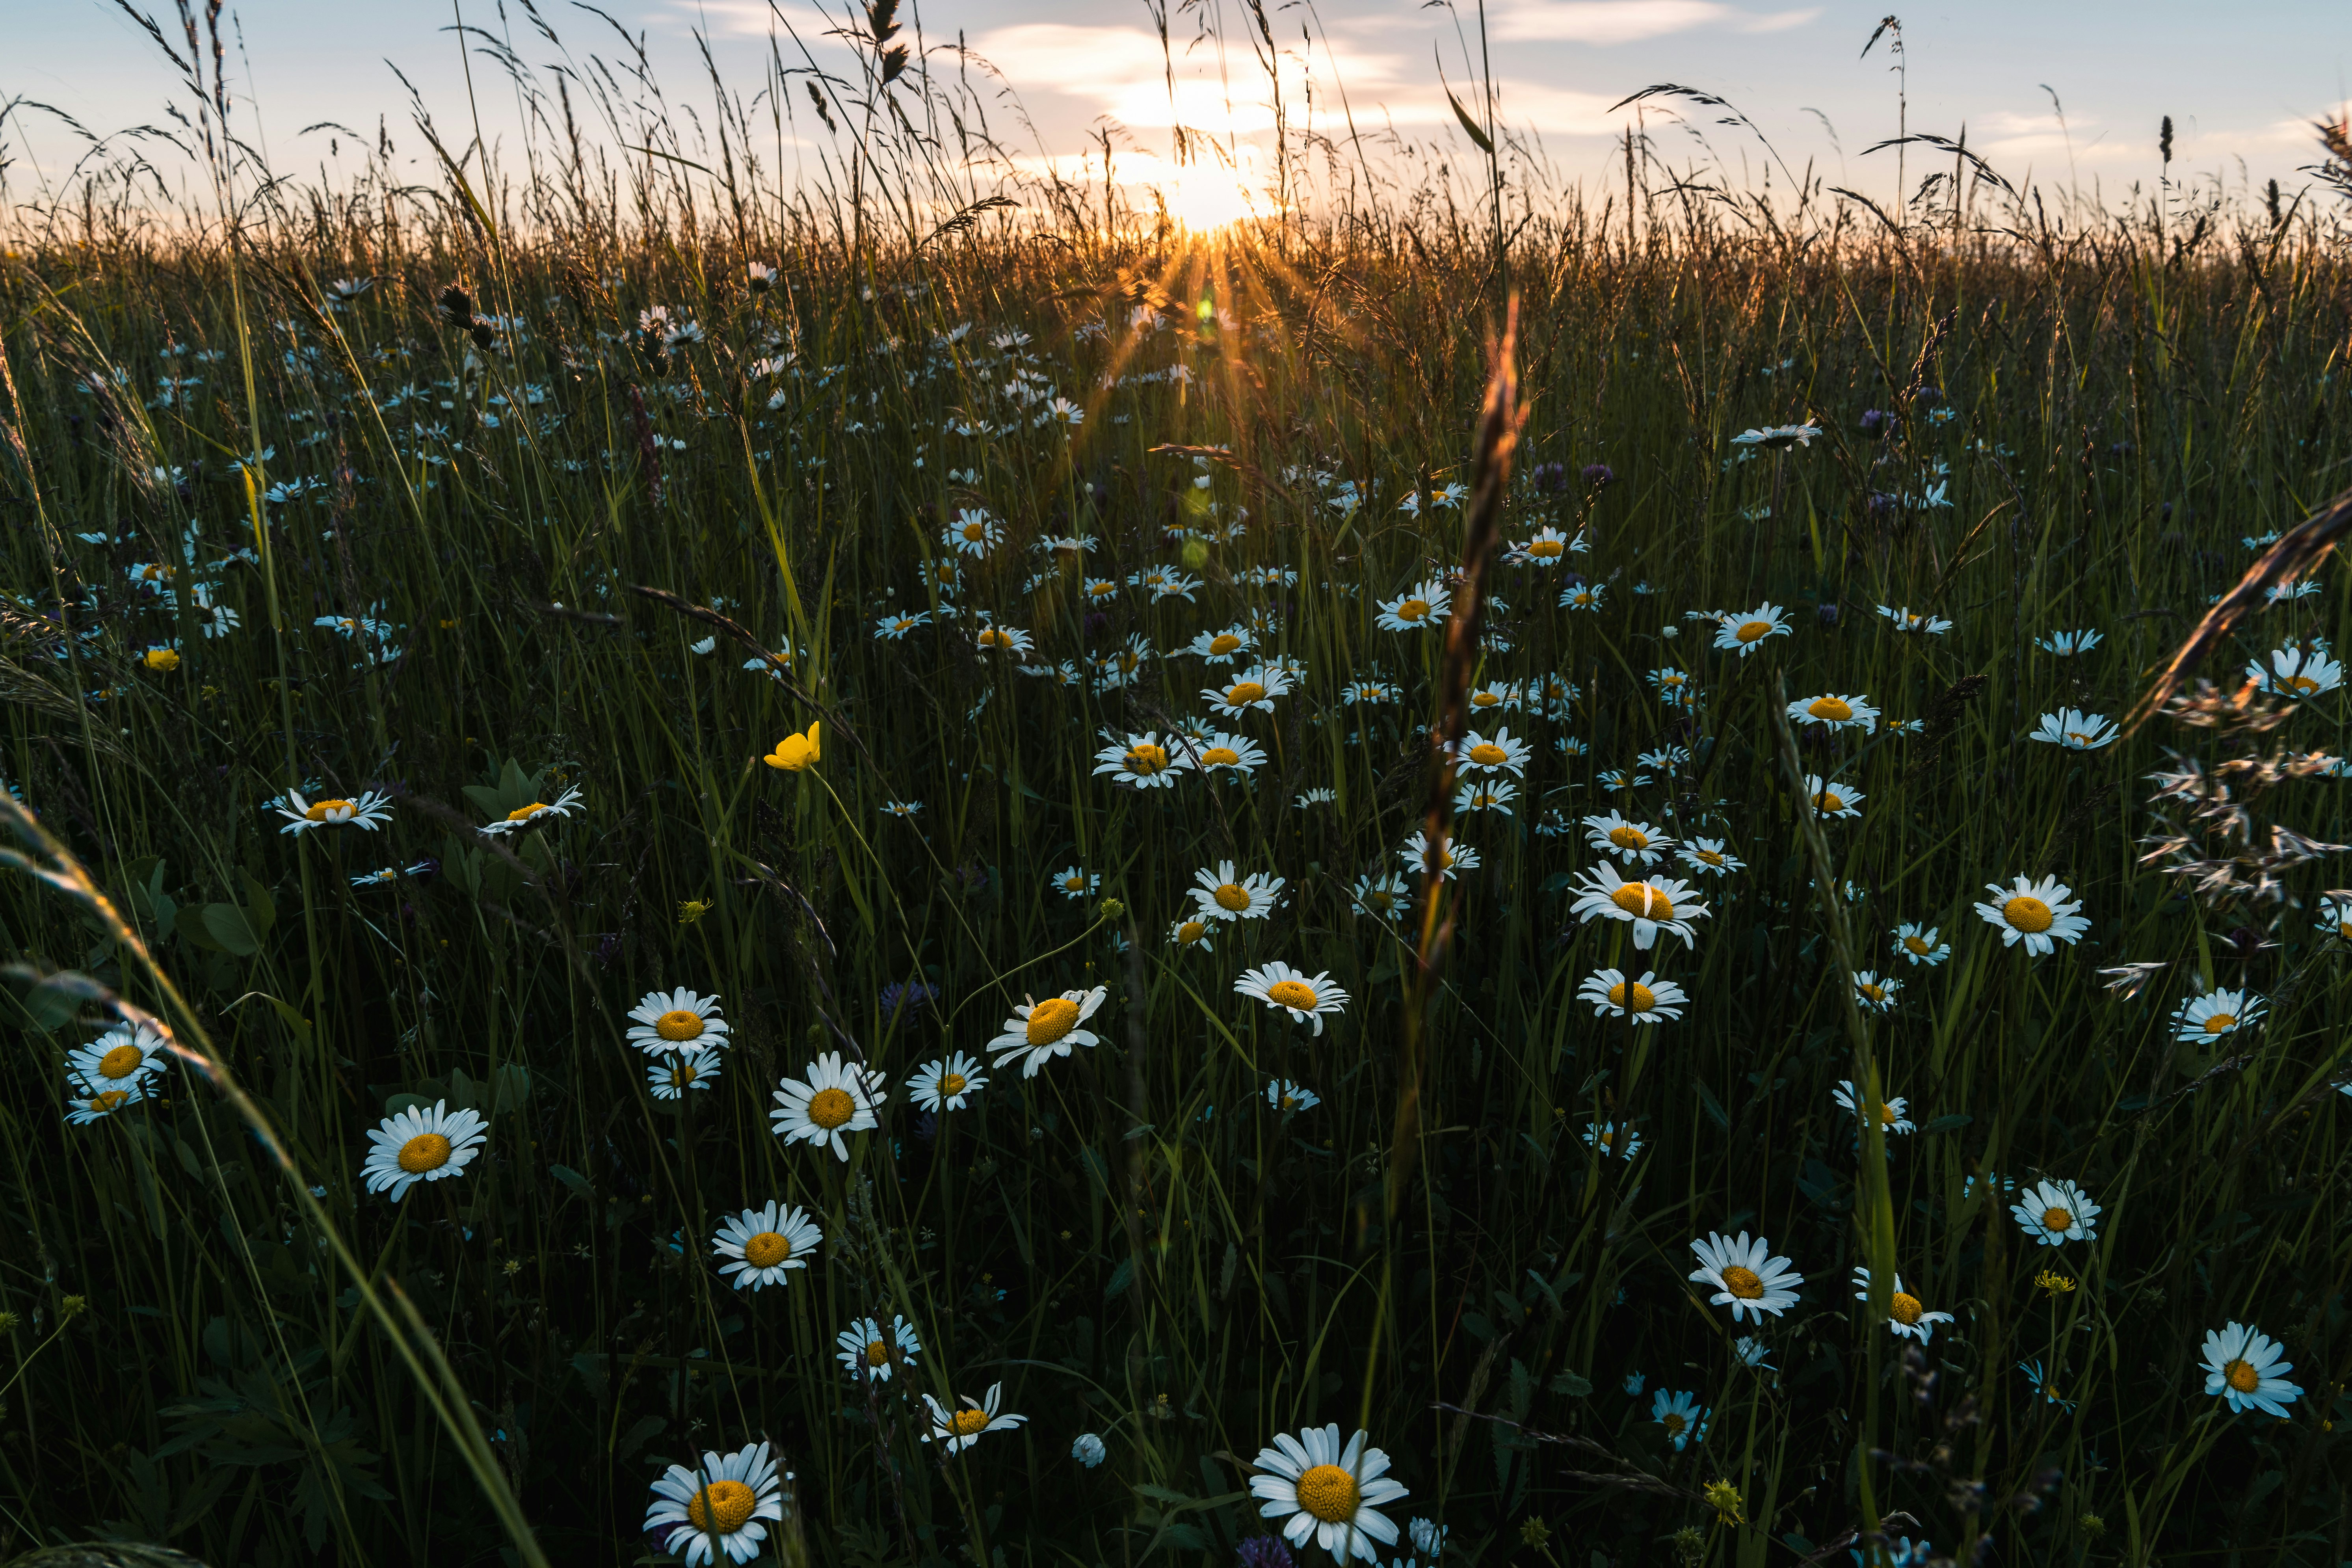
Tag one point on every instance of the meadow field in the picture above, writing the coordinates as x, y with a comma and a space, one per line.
886, 865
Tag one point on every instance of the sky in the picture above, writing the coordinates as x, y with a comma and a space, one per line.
2067, 92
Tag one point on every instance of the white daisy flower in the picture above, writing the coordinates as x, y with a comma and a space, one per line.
691, 1067
718, 1508
870, 1351
2068, 645
1662, 903
1683, 1417
1043, 1030
1905, 1315
947, 1084
677, 1021
973, 532
1647, 1000
1875, 992
1832, 799
85, 1105
370, 811
2215, 1014
121, 1059
993, 638
1745, 631
2075, 730
420, 1145
1291, 1097
2039, 914
1194, 935
2055, 1213
1224, 647
836, 1100
1916, 625
1612, 1139
538, 814
1745, 1278
960, 1429
1234, 753
1918, 944
1496, 797
1087, 1449
1892, 1116
1708, 857
1500, 754
2243, 1367
1075, 882
2335, 919
1836, 712
1256, 688
1306, 997
892, 627
1424, 604
1451, 856
1142, 763
1614, 832
2296, 673
1325, 1492
1222, 896
1548, 546
763, 1246
1385, 896
1776, 438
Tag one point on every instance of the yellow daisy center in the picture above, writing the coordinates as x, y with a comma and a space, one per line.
953, 1084
1292, 993
1640, 900
1871, 991
1712, 857
1627, 837
1146, 759
329, 811
1644, 998
721, 1507
1831, 710
2241, 1376
975, 532
1223, 643
1673, 1423
1232, 898
2027, 913
679, 1024
1329, 1493
1101, 590
1830, 802
162, 659
426, 1152
1487, 754
831, 1108
110, 1100
1221, 757
1051, 1019
1413, 609
2057, 1219
1243, 692
1484, 699
766, 1249
681, 1075
1544, 548
2302, 685
1906, 1309
1607, 1137
2220, 1023
877, 1352
968, 1423
1191, 932
1917, 944
120, 1062
1743, 1282
1886, 1116
994, 638
524, 814
1750, 630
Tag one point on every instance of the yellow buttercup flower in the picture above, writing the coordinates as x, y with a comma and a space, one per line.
794, 752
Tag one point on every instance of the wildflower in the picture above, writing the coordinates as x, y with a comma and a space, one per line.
1326, 1493
1916, 625
1221, 896
1778, 437
892, 627
1386, 897
1648, 1000
2243, 1367
1417, 610
973, 532
1833, 800
947, 1084
1744, 633
1634, 1382
420, 1145
2335, 917
2075, 730
1836, 712
1663, 904
1673, 685
2293, 673
2055, 1213
1222, 648
1450, 856
96, 1104
2050, 1282
1290, 1098
1708, 857
1140, 763
1194, 933
692, 910
2039, 914
1636, 841
1874, 993
1043, 1030
1257, 689
1612, 1139
870, 1351
1076, 882
2215, 1014
1681, 1415
960, 1429
2068, 645
1234, 753
537, 814
1891, 1115
2032, 1371
762, 1245
1486, 797
370, 811
1087, 1449
1004, 639
1120, 668
1500, 754
120, 1059
904, 810
1547, 547
1306, 997
834, 1101
676, 1021
1583, 596
1745, 1278
718, 1507
1428, 1537
1918, 944
670, 1078
162, 659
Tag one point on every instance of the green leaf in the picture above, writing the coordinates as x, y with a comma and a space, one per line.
1570, 1385
226, 925
572, 1179
510, 1087
1121, 1279
190, 923
1948, 1124
1714, 1107
260, 909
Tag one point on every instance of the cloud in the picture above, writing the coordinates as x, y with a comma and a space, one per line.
1607, 22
